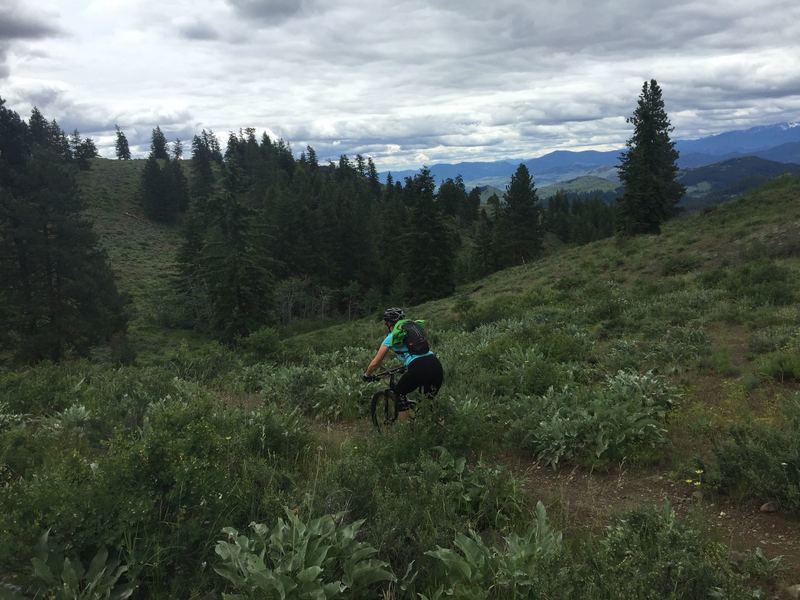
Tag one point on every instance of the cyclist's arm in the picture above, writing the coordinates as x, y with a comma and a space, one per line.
379, 356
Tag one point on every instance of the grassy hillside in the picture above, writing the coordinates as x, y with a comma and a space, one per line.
587, 183
142, 253
711, 306
715, 183
601, 381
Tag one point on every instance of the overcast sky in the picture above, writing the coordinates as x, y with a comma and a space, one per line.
406, 82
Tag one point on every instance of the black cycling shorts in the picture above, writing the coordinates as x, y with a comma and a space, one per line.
424, 372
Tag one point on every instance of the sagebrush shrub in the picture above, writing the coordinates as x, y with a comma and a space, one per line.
625, 417
650, 554
763, 462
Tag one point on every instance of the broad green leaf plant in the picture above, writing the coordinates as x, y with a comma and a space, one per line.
315, 560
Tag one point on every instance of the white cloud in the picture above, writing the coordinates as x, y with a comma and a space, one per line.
410, 81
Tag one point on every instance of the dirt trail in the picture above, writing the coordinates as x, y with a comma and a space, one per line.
585, 499
590, 499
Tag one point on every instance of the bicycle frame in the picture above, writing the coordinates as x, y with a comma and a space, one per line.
389, 410
392, 375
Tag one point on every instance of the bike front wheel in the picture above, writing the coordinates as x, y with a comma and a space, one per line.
383, 408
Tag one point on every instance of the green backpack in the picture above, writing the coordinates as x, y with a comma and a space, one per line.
412, 334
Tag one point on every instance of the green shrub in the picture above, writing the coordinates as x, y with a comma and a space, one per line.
607, 302
201, 363
763, 462
9, 418
499, 308
190, 466
21, 453
298, 560
719, 361
526, 566
65, 578
762, 282
649, 554
122, 351
771, 339
678, 264
262, 343
781, 366
623, 418
412, 504
40, 389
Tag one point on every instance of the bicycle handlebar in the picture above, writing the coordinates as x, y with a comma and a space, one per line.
387, 373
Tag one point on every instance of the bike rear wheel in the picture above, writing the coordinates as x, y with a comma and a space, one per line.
383, 408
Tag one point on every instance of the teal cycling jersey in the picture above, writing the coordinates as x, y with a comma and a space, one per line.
401, 350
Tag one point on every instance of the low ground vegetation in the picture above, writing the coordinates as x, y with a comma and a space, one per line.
146, 477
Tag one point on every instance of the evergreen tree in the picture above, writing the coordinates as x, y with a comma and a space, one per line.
483, 254
234, 267
519, 222
123, 151
177, 186
648, 168
471, 207
151, 188
160, 200
75, 142
311, 157
158, 146
557, 217
202, 172
58, 295
86, 151
452, 196
177, 149
60, 142
361, 167
40, 130
429, 255
374, 182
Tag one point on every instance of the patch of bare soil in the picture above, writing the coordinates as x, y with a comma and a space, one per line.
583, 499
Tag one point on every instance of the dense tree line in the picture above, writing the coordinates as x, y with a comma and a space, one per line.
58, 295
270, 238
580, 217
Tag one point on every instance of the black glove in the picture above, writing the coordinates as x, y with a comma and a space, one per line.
366, 377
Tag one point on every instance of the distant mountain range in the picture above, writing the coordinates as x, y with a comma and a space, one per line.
706, 185
778, 143
720, 181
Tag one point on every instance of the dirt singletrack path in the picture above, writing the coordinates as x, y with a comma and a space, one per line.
588, 499
582, 500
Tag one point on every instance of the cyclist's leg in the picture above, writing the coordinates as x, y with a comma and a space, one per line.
409, 382
435, 377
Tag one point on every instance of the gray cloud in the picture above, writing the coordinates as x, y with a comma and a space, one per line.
271, 12
15, 24
414, 80
197, 30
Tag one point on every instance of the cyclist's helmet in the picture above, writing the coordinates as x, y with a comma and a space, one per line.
392, 315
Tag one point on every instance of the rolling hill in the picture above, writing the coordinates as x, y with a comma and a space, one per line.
779, 142
720, 181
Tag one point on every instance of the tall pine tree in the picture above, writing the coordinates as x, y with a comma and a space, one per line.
123, 151
520, 220
648, 168
58, 295
427, 268
158, 145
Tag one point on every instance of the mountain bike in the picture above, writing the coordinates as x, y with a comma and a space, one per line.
386, 404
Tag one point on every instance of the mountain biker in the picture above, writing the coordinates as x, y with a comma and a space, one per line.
423, 369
